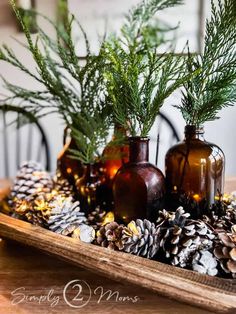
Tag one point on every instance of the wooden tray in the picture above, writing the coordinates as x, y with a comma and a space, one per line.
214, 294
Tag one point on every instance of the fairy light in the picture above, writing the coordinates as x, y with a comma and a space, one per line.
197, 197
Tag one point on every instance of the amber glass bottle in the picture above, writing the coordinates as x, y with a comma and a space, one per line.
115, 154
194, 169
70, 169
90, 188
139, 186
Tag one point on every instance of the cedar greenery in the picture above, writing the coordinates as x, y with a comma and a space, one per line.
78, 92
138, 79
214, 87
73, 90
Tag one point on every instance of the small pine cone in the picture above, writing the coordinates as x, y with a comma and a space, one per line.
110, 236
141, 238
225, 252
222, 216
204, 262
30, 181
20, 209
168, 219
96, 218
85, 233
62, 186
65, 216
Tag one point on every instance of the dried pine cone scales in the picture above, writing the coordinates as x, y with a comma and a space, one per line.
31, 179
141, 238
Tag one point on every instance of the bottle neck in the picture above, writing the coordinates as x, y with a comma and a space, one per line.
138, 149
194, 132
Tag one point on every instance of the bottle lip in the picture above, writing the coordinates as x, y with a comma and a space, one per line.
138, 139
191, 129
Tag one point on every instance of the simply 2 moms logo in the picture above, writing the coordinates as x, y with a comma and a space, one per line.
76, 294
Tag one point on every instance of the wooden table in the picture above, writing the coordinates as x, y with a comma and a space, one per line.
37, 275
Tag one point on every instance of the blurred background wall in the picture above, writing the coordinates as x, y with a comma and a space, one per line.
96, 16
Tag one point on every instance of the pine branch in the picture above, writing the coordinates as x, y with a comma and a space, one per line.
138, 79
214, 87
76, 92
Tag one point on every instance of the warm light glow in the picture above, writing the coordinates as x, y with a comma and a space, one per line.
196, 197
69, 170
175, 188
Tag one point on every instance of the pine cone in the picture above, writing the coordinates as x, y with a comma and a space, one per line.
40, 209
141, 238
96, 218
21, 209
110, 236
65, 216
180, 237
205, 263
85, 233
222, 216
62, 186
225, 252
30, 181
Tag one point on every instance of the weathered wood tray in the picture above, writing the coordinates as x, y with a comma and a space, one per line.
214, 294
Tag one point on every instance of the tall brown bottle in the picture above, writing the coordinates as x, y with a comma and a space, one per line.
139, 186
70, 169
194, 169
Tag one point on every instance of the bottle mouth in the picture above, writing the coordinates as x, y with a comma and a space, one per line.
138, 139
194, 129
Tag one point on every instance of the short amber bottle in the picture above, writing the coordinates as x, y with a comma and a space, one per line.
194, 169
90, 188
115, 153
70, 169
139, 186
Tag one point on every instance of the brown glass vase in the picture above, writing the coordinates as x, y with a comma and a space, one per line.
69, 168
115, 154
90, 191
194, 172
139, 186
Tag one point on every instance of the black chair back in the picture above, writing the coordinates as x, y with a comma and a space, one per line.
22, 138
166, 136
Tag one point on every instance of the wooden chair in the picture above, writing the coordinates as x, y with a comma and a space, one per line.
22, 138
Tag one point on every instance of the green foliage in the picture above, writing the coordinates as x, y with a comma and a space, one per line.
138, 79
214, 87
74, 89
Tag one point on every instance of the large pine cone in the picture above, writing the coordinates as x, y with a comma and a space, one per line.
110, 236
225, 252
181, 238
30, 181
141, 238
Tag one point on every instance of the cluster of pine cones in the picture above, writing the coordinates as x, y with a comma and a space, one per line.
207, 246
48, 201
176, 239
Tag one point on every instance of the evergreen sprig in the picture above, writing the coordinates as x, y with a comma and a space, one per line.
74, 90
214, 87
138, 79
